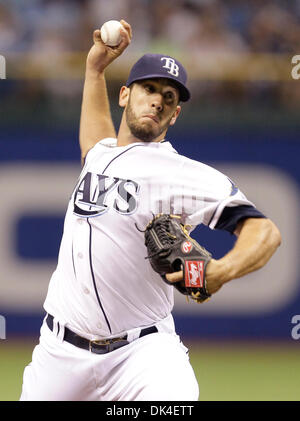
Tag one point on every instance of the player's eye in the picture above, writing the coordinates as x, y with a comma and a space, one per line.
169, 97
149, 88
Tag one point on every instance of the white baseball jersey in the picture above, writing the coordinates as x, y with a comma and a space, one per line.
103, 285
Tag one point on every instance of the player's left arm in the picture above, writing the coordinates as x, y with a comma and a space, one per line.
257, 240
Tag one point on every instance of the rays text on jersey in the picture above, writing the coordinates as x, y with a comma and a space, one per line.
97, 193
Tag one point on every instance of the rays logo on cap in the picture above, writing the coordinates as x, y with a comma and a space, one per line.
151, 66
172, 67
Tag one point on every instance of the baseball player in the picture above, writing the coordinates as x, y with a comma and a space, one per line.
108, 332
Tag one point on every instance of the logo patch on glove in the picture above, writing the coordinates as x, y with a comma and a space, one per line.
186, 247
170, 248
194, 273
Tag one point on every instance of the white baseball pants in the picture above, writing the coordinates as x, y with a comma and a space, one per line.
155, 367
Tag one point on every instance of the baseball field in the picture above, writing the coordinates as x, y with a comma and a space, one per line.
226, 371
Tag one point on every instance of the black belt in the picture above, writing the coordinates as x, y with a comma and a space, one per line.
102, 346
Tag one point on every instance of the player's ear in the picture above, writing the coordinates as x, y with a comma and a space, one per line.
175, 115
123, 96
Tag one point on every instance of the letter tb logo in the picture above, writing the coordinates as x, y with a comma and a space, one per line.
172, 67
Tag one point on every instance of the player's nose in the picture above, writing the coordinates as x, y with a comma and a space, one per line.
157, 103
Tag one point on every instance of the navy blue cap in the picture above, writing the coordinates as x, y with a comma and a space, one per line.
160, 66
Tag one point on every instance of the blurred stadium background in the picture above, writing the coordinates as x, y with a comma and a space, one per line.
243, 119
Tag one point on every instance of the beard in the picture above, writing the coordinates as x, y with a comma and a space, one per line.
143, 131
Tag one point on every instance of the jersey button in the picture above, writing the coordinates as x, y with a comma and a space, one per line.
80, 255
80, 221
86, 291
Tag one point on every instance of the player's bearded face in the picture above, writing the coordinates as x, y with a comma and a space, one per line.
145, 131
138, 110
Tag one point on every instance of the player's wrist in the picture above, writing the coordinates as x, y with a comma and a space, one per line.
220, 270
93, 73
227, 268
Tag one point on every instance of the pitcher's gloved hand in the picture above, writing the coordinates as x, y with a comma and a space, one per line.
171, 249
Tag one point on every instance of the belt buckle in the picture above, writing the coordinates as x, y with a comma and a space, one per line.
114, 340
110, 344
101, 342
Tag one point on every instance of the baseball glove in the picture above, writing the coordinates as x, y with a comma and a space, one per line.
171, 249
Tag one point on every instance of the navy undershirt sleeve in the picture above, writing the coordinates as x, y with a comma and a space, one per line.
232, 215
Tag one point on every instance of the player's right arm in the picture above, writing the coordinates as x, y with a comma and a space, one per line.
257, 241
95, 120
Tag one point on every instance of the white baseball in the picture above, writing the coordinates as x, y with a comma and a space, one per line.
110, 33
